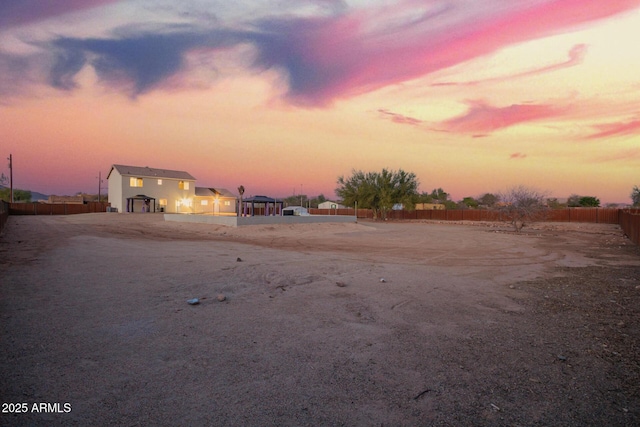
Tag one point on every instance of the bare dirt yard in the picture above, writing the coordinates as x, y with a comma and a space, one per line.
367, 324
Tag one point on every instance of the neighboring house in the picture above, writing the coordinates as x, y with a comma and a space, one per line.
77, 200
330, 205
140, 189
430, 206
217, 201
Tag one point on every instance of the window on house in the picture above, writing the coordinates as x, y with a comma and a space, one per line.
204, 202
163, 202
227, 203
183, 185
135, 182
159, 182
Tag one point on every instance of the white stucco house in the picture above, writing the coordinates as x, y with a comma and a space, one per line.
145, 189
330, 205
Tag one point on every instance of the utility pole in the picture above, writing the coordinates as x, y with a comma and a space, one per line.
10, 178
99, 184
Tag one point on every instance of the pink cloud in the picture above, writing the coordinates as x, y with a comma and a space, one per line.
326, 57
484, 118
481, 118
616, 129
517, 156
362, 51
17, 12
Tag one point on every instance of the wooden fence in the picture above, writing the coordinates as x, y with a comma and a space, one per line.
596, 215
628, 219
630, 224
56, 209
4, 214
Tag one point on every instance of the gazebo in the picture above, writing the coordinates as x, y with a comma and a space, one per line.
146, 200
271, 206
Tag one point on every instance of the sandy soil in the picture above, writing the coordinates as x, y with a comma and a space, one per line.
375, 323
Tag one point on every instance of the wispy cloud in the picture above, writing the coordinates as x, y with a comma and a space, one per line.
18, 12
400, 118
576, 56
618, 129
339, 53
629, 156
517, 156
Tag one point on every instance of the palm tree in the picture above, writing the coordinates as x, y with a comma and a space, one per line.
241, 191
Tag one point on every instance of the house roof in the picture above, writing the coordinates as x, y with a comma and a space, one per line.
261, 199
146, 171
208, 192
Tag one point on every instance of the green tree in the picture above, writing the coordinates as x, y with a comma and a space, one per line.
589, 202
488, 200
635, 196
440, 195
18, 195
470, 202
425, 198
450, 204
379, 191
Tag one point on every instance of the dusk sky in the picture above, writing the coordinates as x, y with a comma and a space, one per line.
473, 96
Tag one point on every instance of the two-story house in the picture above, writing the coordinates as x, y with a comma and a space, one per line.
145, 189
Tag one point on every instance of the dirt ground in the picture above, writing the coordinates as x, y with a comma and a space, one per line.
368, 324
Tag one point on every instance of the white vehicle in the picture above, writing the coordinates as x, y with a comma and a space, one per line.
295, 210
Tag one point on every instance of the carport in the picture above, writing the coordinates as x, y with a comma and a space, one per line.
145, 200
271, 206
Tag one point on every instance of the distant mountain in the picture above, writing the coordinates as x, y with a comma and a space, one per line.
35, 196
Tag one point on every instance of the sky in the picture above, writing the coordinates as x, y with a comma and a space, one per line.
283, 97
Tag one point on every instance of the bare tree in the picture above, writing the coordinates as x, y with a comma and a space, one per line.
635, 196
521, 204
